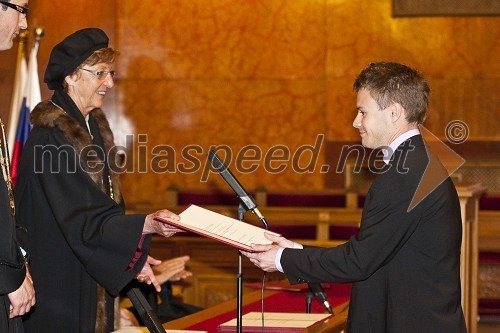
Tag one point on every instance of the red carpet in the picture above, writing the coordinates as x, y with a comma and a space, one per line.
285, 301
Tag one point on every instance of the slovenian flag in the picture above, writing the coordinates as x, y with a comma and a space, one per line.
31, 98
17, 93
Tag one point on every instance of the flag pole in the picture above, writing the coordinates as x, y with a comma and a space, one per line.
31, 98
39, 33
18, 89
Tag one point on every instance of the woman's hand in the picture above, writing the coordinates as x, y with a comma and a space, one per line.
152, 226
147, 275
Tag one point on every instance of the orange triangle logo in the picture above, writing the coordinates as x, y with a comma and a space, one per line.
443, 162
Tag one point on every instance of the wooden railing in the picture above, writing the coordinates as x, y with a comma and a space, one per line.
322, 218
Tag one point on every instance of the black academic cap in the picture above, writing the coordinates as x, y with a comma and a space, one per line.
71, 53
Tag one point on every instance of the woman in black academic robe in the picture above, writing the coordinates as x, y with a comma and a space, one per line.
83, 248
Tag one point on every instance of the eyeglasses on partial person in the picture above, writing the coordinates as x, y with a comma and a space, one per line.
101, 75
20, 9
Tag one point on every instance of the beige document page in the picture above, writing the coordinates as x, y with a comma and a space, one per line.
220, 227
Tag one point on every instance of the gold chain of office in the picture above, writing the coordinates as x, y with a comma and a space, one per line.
5, 164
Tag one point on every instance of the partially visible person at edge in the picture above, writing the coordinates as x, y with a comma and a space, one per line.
84, 249
17, 295
404, 263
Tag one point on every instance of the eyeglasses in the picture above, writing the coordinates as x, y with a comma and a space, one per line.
101, 75
20, 9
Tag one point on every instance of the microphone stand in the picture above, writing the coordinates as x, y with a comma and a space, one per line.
309, 297
239, 280
246, 203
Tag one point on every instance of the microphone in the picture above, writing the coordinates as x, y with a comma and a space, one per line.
318, 291
246, 200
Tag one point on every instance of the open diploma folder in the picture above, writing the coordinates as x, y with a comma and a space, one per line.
224, 229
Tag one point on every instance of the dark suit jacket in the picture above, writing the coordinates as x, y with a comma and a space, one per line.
12, 266
404, 265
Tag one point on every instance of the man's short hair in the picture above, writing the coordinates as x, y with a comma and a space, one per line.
390, 82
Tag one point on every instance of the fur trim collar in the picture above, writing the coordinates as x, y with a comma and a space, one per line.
47, 114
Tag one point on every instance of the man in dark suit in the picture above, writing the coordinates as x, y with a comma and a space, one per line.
404, 263
17, 295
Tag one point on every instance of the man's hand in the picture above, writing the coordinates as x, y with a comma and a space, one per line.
263, 260
279, 240
146, 274
23, 298
266, 255
152, 226
172, 270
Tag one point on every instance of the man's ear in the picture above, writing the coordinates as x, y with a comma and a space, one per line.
397, 112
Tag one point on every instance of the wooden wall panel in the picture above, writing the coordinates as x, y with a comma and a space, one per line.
456, 54
280, 72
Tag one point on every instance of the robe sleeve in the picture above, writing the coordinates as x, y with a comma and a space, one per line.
95, 227
137, 255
